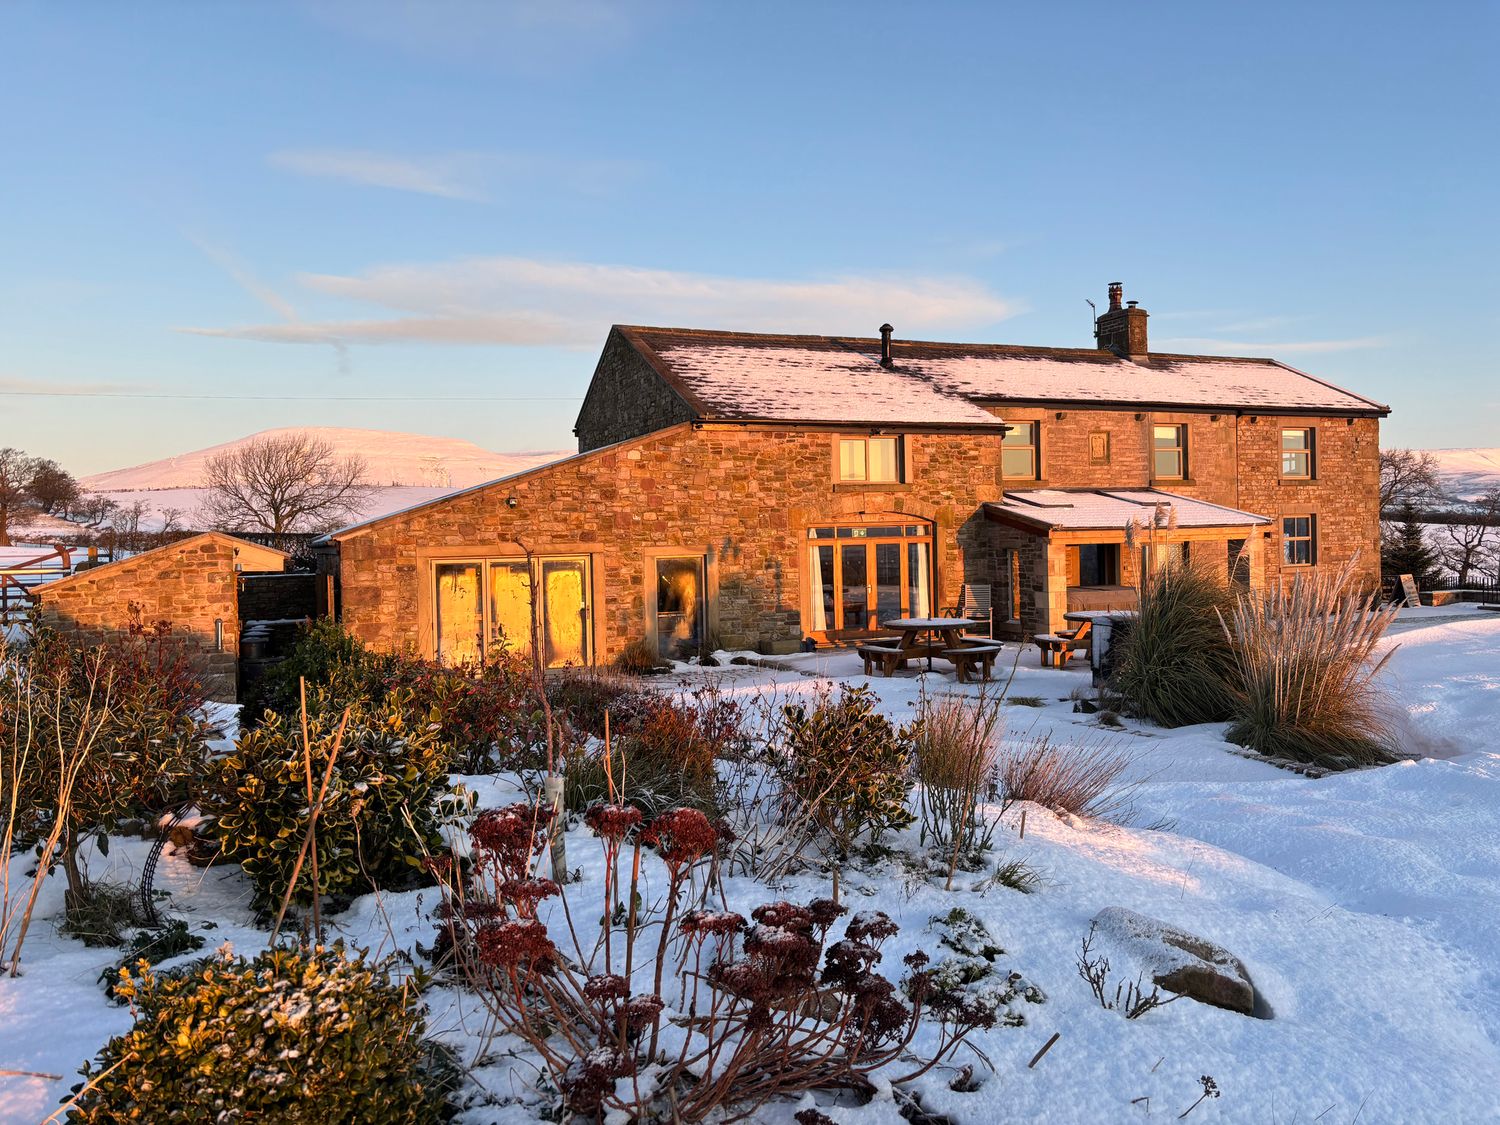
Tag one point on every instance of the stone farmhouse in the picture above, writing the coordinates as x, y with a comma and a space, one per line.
770, 492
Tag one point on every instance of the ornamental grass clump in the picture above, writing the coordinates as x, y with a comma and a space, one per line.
956, 760
676, 1007
1176, 665
379, 815
298, 1036
1306, 662
1083, 779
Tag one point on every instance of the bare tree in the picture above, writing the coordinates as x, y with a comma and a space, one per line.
1469, 546
1408, 474
283, 483
15, 478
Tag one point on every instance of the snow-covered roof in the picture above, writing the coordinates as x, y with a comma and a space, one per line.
741, 376
1112, 508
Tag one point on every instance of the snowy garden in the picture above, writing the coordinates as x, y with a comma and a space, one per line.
778, 890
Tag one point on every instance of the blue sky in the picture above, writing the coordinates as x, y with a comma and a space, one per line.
424, 216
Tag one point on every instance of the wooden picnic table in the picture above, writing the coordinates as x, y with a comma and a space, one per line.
944, 633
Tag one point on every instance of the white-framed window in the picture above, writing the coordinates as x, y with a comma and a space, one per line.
1020, 451
1297, 449
1169, 452
875, 459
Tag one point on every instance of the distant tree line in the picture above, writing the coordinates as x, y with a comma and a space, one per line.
1467, 542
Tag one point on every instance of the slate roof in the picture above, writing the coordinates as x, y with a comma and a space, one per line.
742, 376
1110, 509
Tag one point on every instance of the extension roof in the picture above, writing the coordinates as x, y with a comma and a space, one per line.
1110, 509
749, 377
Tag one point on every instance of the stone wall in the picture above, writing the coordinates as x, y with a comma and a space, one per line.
191, 584
626, 399
743, 498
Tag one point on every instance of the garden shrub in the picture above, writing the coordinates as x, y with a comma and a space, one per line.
151, 946
487, 717
1176, 664
639, 658
297, 1036
379, 816
1307, 667
955, 759
98, 732
848, 765
705, 1014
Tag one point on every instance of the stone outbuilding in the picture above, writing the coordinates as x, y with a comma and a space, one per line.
193, 584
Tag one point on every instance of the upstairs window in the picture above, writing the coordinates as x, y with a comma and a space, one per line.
873, 459
1299, 540
1018, 452
1297, 454
1169, 452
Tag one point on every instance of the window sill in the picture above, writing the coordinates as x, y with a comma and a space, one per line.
1168, 482
1293, 482
871, 486
1019, 484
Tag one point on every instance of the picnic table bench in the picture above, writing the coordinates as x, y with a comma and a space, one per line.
970, 656
1058, 648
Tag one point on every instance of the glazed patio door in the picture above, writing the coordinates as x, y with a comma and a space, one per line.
480, 605
860, 578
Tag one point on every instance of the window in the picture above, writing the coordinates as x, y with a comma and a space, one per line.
1297, 454
679, 606
1018, 452
1169, 452
876, 459
1239, 564
1094, 564
1299, 540
480, 605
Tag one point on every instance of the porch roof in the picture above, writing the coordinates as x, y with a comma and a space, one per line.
1110, 509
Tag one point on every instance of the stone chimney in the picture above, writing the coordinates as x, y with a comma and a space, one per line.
1121, 330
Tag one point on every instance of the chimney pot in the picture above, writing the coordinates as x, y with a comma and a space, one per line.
885, 345
1116, 292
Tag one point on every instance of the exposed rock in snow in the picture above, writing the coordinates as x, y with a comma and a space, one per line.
1179, 961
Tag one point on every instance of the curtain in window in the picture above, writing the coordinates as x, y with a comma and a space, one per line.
918, 567
820, 586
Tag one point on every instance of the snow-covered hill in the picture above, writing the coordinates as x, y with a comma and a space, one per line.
392, 459
1466, 473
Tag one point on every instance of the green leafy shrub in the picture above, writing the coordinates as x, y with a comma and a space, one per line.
297, 1036
1307, 663
1175, 666
487, 717
151, 947
379, 814
848, 765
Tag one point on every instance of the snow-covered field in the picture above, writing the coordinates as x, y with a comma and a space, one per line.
1366, 907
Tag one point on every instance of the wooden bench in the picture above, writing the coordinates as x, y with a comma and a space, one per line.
1058, 648
889, 657
972, 656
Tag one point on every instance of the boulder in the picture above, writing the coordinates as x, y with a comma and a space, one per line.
1179, 961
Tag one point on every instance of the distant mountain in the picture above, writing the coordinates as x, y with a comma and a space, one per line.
393, 459
1465, 473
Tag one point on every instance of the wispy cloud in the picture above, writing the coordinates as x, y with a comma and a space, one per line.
452, 176
526, 301
1213, 345
477, 177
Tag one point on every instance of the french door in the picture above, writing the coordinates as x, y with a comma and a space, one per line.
480, 605
863, 576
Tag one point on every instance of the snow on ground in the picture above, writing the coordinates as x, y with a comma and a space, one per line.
1364, 905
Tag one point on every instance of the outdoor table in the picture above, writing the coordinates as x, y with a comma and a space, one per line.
950, 629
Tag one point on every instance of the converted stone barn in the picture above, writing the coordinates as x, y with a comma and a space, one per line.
767, 491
